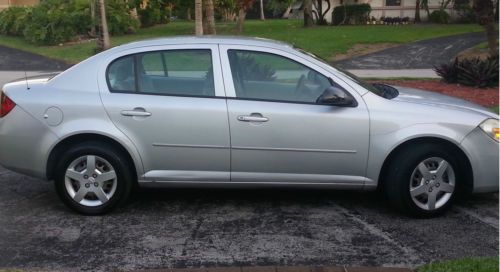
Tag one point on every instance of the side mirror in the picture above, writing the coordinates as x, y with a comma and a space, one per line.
336, 97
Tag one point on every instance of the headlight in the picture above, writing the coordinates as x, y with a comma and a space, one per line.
491, 127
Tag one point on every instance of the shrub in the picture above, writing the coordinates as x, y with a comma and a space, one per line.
476, 72
448, 72
119, 19
351, 14
465, 12
439, 17
156, 12
50, 23
13, 20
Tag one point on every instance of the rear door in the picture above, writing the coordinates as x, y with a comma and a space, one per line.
170, 102
278, 131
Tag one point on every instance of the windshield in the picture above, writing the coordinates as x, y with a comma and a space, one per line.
374, 88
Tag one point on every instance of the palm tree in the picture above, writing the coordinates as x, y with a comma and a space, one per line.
209, 18
308, 16
262, 16
417, 11
198, 15
103, 42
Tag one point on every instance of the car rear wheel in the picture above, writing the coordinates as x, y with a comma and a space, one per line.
424, 180
93, 178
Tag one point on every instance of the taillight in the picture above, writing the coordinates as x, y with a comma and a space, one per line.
6, 105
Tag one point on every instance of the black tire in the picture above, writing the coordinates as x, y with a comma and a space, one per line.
124, 176
396, 182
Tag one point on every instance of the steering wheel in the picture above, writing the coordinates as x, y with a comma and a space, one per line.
300, 85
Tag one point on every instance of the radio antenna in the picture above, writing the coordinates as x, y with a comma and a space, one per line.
26, 78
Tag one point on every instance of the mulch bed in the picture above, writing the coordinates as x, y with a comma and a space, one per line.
486, 97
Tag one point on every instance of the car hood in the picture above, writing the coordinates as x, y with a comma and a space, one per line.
436, 99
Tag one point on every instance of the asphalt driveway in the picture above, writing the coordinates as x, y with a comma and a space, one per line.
12, 59
423, 54
194, 228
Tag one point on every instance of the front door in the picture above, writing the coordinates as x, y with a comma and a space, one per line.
278, 131
170, 102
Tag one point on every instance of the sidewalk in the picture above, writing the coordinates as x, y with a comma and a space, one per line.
284, 269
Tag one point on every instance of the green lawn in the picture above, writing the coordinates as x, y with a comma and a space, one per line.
324, 41
463, 265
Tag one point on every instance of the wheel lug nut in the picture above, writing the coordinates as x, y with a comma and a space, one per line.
430, 190
426, 182
94, 175
437, 184
87, 185
85, 177
96, 184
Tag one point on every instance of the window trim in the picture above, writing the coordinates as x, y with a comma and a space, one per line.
137, 90
330, 80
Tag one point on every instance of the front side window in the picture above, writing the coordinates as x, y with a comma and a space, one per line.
265, 76
174, 72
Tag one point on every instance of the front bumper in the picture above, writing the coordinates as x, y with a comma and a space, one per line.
24, 143
483, 154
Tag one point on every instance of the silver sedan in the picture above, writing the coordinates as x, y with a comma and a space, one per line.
238, 112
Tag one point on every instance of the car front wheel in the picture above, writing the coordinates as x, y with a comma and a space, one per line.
93, 178
425, 180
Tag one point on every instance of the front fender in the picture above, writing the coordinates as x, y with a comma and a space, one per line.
381, 145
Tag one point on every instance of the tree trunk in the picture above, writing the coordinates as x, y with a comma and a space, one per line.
287, 12
485, 14
198, 16
242, 13
308, 16
188, 15
93, 18
262, 16
492, 36
209, 18
103, 42
417, 11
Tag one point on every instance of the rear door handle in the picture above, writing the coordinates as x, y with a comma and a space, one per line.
252, 118
136, 112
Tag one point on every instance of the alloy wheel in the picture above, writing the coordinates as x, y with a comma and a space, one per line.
432, 183
90, 180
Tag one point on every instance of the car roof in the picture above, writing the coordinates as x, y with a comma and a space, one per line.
238, 40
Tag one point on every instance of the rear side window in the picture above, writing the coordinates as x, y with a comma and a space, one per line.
177, 72
121, 75
173, 72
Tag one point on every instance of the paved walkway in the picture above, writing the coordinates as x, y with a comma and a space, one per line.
418, 55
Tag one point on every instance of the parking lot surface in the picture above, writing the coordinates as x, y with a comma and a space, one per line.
178, 228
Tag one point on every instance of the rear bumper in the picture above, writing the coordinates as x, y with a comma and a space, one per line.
483, 155
24, 143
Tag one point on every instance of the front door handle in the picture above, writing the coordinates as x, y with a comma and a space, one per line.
136, 112
252, 118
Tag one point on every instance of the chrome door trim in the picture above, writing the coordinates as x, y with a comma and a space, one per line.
240, 185
190, 146
295, 178
185, 175
293, 149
